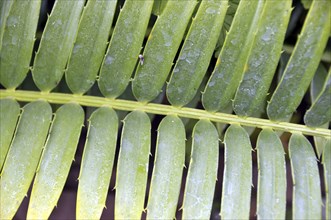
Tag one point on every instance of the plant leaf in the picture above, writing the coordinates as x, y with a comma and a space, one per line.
5, 7
271, 196
23, 156
307, 199
233, 5
168, 169
56, 44
159, 6
9, 113
202, 173
196, 52
230, 64
124, 47
56, 160
132, 167
327, 177
303, 62
320, 111
17, 41
90, 44
237, 180
261, 65
161, 48
97, 163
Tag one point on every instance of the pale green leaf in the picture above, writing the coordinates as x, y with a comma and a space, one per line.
56, 44
307, 201
161, 48
132, 167
168, 169
237, 177
202, 173
271, 196
17, 41
90, 44
23, 156
303, 62
9, 113
97, 164
56, 160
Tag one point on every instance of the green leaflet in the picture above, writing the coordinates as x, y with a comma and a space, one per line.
261, 65
237, 179
230, 64
159, 6
56, 43
168, 169
56, 160
303, 62
271, 195
202, 173
90, 44
124, 47
161, 48
132, 167
306, 3
307, 199
23, 156
315, 89
97, 163
319, 79
320, 111
233, 5
284, 58
326, 160
17, 40
4, 11
196, 52
9, 112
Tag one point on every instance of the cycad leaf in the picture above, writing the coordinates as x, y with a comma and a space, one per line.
233, 5
327, 177
196, 52
90, 44
315, 90
237, 180
303, 63
161, 48
17, 41
9, 112
320, 111
262, 62
132, 167
159, 6
202, 173
56, 44
124, 47
97, 164
168, 169
306, 3
318, 80
229, 67
307, 199
23, 156
271, 199
56, 160
4, 12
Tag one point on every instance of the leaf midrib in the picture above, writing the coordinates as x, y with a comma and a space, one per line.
162, 109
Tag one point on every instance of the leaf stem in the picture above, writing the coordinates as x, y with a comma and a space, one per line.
161, 109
